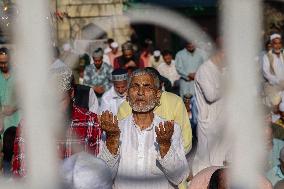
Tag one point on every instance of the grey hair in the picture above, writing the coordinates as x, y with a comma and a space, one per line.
145, 71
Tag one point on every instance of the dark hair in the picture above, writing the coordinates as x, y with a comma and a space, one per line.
8, 143
214, 182
4, 50
110, 40
56, 52
166, 52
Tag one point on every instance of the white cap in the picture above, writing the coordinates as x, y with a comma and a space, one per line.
84, 171
66, 47
114, 45
275, 36
281, 107
157, 53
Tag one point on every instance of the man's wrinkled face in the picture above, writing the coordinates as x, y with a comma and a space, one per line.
128, 54
168, 59
120, 87
143, 96
98, 61
190, 47
4, 63
276, 45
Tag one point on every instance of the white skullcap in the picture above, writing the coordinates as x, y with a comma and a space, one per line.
114, 45
157, 53
275, 36
85, 171
66, 47
281, 155
281, 107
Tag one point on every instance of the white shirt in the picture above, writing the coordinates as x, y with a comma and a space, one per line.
278, 67
169, 71
111, 101
139, 165
93, 102
212, 144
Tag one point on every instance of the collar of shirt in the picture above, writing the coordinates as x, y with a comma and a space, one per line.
154, 122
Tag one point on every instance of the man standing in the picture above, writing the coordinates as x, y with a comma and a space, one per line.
188, 61
114, 53
273, 67
9, 110
212, 147
98, 74
112, 99
152, 145
128, 60
168, 69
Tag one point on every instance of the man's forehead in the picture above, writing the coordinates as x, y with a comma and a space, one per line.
145, 78
276, 40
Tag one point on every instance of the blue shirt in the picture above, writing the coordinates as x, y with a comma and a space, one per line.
187, 63
274, 175
95, 77
7, 98
273, 157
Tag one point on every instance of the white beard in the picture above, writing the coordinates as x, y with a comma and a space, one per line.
138, 108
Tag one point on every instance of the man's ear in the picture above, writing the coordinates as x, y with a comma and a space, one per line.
159, 94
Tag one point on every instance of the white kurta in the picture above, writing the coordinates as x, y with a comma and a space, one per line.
93, 102
211, 147
278, 67
111, 101
139, 164
169, 71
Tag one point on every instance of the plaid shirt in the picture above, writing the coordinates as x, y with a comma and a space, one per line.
95, 77
83, 131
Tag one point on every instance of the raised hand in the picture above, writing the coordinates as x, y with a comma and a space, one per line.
164, 134
109, 124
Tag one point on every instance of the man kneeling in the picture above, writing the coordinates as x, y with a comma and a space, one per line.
143, 150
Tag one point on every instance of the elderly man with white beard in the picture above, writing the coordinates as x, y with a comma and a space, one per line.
143, 150
113, 98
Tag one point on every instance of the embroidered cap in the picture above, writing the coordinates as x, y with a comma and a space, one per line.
119, 75
98, 53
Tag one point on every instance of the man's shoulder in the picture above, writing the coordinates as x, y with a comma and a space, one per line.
109, 94
168, 97
181, 52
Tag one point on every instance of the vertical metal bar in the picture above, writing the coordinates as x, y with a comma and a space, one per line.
31, 68
242, 25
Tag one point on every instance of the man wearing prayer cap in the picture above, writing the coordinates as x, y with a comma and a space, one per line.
84, 171
128, 60
98, 74
277, 173
156, 59
273, 67
114, 53
113, 98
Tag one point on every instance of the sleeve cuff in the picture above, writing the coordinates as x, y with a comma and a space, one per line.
107, 156
168, 157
